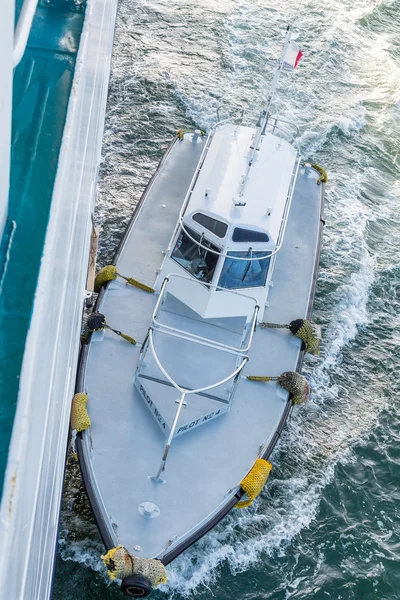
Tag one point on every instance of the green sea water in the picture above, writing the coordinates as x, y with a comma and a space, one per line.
327, 526
41, 88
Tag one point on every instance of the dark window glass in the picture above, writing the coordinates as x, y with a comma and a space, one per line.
238, 274
199, 262
218, 228
248, 235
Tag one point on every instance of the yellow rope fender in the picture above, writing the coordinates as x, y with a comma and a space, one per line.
254, 481
322, 172
293, 382
109, 273
180, 134
80, 420
120, 564
307, 331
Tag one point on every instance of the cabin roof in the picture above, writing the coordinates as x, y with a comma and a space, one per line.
221, 175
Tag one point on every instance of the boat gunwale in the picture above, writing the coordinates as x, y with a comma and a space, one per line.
105, 528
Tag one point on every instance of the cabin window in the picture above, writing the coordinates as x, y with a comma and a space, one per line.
198, 261
238, 274
216, 227
248, 235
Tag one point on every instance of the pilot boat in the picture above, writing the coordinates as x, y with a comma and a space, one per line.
175, 417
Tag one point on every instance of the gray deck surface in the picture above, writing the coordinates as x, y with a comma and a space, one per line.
125, 444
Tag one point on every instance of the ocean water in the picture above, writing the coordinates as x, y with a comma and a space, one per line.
327, 525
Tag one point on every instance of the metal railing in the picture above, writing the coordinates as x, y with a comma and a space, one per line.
184, 392
180, 223
239, 351
174, 331
23, 29
285, 217
282, 228
273, 124
190, 189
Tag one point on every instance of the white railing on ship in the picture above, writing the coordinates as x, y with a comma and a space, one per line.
285, 217
23, 29
197, 338
282, 228
184, 392
190, 189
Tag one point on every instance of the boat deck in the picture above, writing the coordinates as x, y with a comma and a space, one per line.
125, 443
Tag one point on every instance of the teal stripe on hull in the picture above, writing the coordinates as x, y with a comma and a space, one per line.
42, 84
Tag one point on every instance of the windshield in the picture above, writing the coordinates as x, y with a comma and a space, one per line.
197, 261
238, 274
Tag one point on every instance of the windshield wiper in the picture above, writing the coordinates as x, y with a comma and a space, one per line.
250, 250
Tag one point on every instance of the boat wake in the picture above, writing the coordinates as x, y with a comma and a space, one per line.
317, 439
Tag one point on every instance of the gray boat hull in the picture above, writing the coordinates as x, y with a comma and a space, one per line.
124, 446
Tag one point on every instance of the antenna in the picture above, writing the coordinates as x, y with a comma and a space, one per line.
264, 115
278, 71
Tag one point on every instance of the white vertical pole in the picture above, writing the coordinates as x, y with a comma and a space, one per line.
263, 120
169, 441
6, 72
23, 29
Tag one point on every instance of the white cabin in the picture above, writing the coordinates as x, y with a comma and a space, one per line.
232, 222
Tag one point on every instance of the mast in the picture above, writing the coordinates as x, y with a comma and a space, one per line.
264, 114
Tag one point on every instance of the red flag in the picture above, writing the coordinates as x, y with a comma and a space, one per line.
298, 57
293, 54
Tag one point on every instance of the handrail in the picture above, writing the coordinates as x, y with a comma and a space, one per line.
184, 335
23, 29
191, 187
276, 129
187, 390
183, 392
240, 115
196, 173
192, 337
190, 191
280, 238
276, 118
213, 285
196, 339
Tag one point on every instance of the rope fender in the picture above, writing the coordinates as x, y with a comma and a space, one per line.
180, 134
308, 331
96, 321
80, 420
120, 564
322, 172
292, 382
109, 273
254, 481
